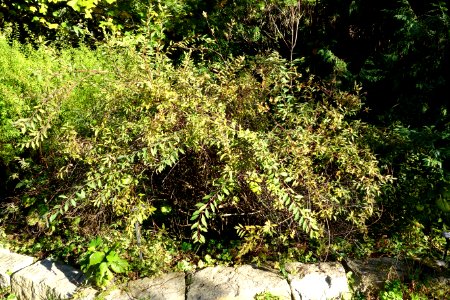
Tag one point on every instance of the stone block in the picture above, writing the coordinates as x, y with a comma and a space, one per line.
11, 263
317, 281
85, 293
46, 279
372, 273
244, 282
116, 294
171, 286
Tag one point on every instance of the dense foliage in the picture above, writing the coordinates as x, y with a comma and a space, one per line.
248, 130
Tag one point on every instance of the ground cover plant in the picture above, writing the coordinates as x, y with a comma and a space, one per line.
187, 134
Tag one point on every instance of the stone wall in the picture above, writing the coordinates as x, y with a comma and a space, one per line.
46, 279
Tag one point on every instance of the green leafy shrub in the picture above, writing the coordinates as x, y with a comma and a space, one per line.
71, 21
393, 291
100, 262
154, 252
396, 289
246, 143
415, 203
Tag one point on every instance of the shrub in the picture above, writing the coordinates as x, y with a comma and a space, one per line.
126, 137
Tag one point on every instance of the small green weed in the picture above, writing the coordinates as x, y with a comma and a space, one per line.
99, 262
393, 291
5, 294
397, 290
266, 296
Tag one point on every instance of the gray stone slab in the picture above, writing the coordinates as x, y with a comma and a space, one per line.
372, 273
85, 293
46, 279
116, 294
244, 282
317, 281
11, 263
171, 286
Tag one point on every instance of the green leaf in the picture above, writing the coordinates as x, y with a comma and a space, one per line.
74, 5
165, 209
201, 239
119, 266
20, 184
443, 204
195, 216
103, 270
126, 181
203, 219
81, 194
95, 242
206, 197
96, 258
112, 256
53, 217
304, 225
92, 185
301, 221
225, 191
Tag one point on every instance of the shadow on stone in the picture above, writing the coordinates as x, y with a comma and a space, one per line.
74, 276
371, 274
46, 279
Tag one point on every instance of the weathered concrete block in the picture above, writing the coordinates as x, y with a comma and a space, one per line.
372, 273
317, 281
171, 286
46, 279
11, 263
85, 293
116, 294
244, 282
